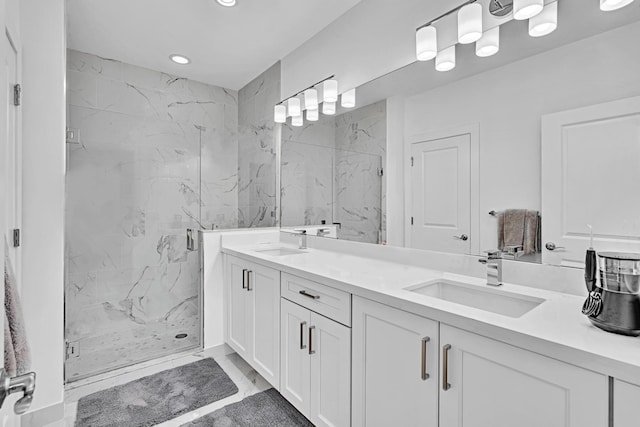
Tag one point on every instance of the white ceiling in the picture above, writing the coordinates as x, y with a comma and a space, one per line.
228, 47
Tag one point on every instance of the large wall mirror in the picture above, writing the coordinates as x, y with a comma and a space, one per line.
454, 161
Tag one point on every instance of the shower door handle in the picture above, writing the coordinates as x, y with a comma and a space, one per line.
191, 245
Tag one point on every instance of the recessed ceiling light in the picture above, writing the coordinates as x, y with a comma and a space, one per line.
180, 59
227, 3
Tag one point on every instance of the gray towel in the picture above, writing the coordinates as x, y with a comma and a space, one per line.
17, 358
519, 227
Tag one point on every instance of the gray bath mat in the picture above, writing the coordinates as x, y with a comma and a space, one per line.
156, 398
266, 409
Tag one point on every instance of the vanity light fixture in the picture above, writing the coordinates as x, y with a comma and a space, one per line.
545, 22
179, 59
280, 113
348, 99
297, 121
227, 3
295, 109
489, 43
330, 90
311, 99
313, 115
525, 9
609, 5
470, 23
446, 59
328, 108
426, 43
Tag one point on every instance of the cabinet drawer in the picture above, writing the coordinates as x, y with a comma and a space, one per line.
330, 302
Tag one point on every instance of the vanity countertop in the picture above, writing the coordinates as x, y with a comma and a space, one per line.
555, 328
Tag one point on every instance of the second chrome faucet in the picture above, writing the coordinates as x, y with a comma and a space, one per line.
493, 262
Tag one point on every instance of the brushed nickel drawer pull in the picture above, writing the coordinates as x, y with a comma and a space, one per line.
244, 278
445, 367
423, 365
302, 345
249, 274
308, 295
311, 350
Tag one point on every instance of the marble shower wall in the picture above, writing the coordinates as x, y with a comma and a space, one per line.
257, 150
330, 172
158, 154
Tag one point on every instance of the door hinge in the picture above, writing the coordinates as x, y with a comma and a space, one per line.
73, 349
411, 220
17, 94
411, 160
380, 172
16, 237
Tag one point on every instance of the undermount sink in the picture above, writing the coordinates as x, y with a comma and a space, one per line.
280, 251
487, 299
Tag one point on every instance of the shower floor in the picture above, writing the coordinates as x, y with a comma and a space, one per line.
117, 349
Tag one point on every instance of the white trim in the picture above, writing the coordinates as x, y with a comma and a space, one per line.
471, 129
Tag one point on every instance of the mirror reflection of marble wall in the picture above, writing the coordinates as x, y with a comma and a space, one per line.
332, 172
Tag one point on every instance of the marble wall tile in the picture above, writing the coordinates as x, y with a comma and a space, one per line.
157, 155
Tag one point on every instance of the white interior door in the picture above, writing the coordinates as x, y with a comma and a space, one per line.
441, 194
591, 175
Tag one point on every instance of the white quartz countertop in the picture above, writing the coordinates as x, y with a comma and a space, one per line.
556, 328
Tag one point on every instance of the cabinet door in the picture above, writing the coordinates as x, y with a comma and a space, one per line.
295, 377
330, 348
395, 365
498, 385
264, 291
238, 307
625, 398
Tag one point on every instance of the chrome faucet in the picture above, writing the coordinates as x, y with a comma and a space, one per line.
323, 232
302, 238
494, 267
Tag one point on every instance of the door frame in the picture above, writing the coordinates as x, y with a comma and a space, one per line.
471, 129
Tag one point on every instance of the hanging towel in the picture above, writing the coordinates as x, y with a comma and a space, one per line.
16, 348
519, 227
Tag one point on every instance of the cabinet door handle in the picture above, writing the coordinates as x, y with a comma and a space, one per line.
249, 274
311, 350
423, 365
445, 367
244, 278
302, 345
308, 295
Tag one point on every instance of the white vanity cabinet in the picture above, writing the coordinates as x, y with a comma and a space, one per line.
315, 355
488, 383
253, 315
625, 404
395, 367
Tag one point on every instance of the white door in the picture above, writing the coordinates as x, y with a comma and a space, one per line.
591, 175
13, 160
264, 292
441, 194
330, 344
625, 402
295, 368
238, 308
395, 367
498, 385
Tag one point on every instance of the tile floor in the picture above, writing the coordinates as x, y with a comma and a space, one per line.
246, 378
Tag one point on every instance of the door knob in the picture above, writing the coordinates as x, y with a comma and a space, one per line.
462, 237
552, 246
22, 383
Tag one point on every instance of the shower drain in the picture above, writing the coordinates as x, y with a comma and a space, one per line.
180, 336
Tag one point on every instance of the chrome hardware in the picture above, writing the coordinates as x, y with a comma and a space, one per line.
249, 274
552, 246
323, 232
493, 213
423, 366
593, 305
493, 262
302, 325
22, 383
445, 367
191, 244
311, 350
308, 295
302, 238
244, 278
462, 237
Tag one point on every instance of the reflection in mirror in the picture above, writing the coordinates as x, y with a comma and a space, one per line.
332, 173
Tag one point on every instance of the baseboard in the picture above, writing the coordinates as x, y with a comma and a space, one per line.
43, 416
